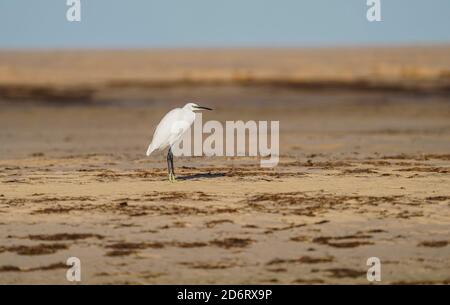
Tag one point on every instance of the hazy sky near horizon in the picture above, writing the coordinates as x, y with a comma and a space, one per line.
220, 23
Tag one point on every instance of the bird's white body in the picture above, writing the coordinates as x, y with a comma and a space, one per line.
172, 127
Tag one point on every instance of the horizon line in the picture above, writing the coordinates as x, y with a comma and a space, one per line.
231, 48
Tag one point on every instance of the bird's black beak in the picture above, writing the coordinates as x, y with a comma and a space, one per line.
201, 107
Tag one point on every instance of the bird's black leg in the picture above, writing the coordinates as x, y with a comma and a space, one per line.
171, 163
169, 168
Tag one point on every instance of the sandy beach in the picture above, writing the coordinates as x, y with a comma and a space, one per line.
364, 168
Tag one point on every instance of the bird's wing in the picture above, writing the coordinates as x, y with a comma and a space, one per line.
165, 131
182, 124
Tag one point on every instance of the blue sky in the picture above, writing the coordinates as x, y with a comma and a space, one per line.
220, 23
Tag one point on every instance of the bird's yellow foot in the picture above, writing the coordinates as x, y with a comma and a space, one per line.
172, 178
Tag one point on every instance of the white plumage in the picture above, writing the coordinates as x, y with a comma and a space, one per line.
171, 128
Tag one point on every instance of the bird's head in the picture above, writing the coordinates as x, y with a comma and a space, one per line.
193, 107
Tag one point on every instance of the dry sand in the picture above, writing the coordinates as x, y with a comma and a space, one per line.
362, 173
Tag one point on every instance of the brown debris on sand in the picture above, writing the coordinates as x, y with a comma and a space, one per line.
41, 249
434, 243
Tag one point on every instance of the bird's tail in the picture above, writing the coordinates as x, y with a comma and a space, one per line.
150, 149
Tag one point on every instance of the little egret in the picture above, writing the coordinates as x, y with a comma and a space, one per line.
171, 128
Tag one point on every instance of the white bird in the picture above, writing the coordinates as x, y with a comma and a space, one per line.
171, 128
